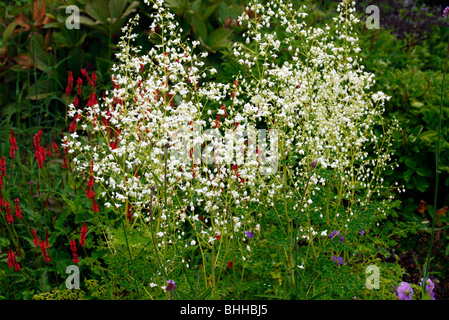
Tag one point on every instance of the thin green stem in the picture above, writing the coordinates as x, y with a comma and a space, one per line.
437, 169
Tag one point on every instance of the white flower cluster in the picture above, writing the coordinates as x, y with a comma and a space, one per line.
169, 141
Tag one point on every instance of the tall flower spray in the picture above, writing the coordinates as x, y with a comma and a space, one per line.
177, 148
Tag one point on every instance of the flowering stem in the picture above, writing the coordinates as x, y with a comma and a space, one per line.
437, 164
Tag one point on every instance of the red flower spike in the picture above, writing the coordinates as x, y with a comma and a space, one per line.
3, 167
79, 83
9, 216
13, 148
83, 234
44, 248
35, 238
12, 262
68, 90
94, 77
75, 258
72, 126
55, 147
95, 207
49, 153
18, 211
86, 75
39, 151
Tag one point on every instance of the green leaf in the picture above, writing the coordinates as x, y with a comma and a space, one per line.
420, 184
199, 28
116, 7
8, 31
417, 104
209, 10
407, 175
424, 172
131, 8
219, 39
177, 6
42, 90
223, 12
196, 7
410, 163
98, 10
428, 136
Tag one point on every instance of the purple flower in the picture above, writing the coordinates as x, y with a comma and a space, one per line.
429, 288
446, 12
313, 164
249, 234
362, 232
170, 285
334, 233
338, 260
404, 291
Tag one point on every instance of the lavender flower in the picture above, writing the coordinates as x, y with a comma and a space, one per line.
446, 12
404, 291
362, 232
338, 260
170, 285
334, 233
249, 234
429, 286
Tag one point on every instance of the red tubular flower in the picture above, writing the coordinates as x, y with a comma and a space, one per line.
44, 247
75, 258
68, 90
85, 74
49, 153
18, 211
2, 167
13, 148
12, 262
83, 234
55, 147
95, 207
35, 238
72, 126
76, 102
223, 107
79, 83
9, 216
90, 183
39, 151
94, 77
